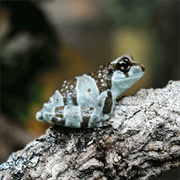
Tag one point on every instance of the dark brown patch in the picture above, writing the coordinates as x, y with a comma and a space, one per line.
60, 122
68, 89
74, 100
85, 122
91, 109
59, 111
64, 100
108, 103
86, 114
109, 83
126, 74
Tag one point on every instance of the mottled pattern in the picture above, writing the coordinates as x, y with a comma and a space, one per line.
103, 76
89, 100
68, 89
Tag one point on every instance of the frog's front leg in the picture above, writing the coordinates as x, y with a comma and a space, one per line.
103, 110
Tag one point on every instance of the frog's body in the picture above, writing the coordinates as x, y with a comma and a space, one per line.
89, 101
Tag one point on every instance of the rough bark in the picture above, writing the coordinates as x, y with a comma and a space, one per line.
143, 142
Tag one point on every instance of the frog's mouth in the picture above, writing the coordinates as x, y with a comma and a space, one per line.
126, 76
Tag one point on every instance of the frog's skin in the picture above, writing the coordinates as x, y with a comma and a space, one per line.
88, 101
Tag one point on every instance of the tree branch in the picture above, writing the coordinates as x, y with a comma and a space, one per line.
143, 142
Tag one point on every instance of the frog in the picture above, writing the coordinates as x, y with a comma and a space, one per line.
89, 100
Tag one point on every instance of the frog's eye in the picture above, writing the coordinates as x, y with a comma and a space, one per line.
124, 64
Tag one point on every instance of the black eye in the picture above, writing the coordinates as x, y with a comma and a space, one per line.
124, 64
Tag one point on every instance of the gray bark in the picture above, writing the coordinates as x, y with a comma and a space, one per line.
143, 142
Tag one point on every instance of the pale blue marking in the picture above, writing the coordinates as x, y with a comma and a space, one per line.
87, 91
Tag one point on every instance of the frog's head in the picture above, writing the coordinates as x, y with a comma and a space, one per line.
126, 73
